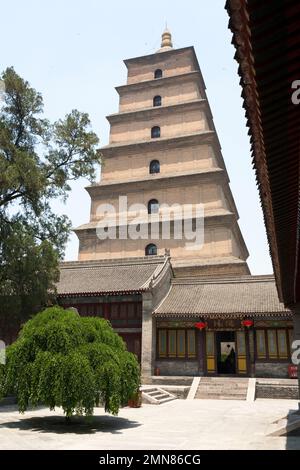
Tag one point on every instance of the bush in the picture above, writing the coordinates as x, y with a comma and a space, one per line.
62, 359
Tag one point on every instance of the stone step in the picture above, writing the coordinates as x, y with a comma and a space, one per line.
225, 390
160, 395
224, 381
218, 388
156, 395
234, 390
165, 400
213, 388
227, 383
219, 397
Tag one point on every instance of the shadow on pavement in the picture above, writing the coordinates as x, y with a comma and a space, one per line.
78, 424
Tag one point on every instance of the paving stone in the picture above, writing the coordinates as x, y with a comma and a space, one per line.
178, 424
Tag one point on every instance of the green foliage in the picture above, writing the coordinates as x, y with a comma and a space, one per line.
61, 359
38, 159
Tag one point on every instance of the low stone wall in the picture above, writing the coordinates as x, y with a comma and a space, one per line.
169, 380
269, 369
178, 367
278, 390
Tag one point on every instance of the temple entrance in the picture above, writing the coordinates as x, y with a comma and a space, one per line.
226, 352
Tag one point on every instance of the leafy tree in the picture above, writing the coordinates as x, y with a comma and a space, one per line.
62, 359
38, 159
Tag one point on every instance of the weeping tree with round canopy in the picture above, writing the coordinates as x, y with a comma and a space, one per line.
62, 359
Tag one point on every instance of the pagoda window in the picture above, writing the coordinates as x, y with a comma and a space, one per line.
154, 167
153, 206
155, 132
158, 73
151, 249
157, 100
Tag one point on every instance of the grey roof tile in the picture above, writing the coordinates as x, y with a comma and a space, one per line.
232, 296
108, 276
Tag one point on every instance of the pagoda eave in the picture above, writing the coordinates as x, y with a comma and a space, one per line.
157, 82
206, 136
157, 111
156, 180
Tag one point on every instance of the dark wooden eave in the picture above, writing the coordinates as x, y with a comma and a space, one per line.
266, 35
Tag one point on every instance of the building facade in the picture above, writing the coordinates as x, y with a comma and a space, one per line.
182, 311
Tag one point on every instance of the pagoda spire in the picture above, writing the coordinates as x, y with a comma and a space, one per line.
166, 41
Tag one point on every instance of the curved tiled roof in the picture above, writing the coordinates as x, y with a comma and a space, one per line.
109, 276
232, 297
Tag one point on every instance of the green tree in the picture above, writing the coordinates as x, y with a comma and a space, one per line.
62, 359
38, 159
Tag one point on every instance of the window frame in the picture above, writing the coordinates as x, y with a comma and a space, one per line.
175, 333
157, 101
270, 357
158, 73
153, 202
152, 163
155, 129
148, 246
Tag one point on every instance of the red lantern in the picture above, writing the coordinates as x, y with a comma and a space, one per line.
201, 325
247, 323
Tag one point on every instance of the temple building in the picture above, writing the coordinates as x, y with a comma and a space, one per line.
184, 306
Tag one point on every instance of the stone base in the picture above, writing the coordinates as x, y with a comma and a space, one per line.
168, 380
277, 389
178, 368
275, 370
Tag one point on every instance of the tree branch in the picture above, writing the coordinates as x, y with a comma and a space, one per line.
12, 196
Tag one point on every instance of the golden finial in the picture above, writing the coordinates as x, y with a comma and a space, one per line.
166, 40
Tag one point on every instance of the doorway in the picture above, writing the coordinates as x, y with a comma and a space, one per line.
226, 352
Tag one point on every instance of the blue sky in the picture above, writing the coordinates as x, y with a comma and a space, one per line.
72, 52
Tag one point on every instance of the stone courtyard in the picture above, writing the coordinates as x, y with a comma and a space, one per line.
179, 424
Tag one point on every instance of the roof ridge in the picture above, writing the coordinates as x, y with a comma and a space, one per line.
156, 273
145, 260
246, 278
